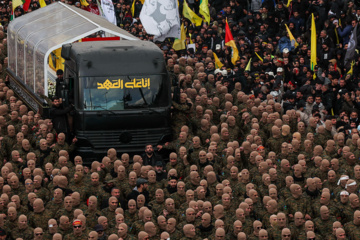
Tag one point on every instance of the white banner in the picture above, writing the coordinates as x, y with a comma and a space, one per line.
161, 18
108, 11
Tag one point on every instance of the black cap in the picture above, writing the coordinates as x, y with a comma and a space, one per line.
300, 104
173, 177
159, 164
140, 181
59, 72
98, 227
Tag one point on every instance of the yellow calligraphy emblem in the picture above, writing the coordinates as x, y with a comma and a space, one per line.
145, 82
130, 84
135, 83
138, 83
108, 85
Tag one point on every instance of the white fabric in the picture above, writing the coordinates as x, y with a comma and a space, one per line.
350, 184
161, 19
344, 193
108, 11
342, 178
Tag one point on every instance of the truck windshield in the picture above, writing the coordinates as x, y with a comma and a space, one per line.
123, 92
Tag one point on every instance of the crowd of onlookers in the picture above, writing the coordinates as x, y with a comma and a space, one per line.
264, 147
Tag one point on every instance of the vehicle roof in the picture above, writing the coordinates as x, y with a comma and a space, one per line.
130, 57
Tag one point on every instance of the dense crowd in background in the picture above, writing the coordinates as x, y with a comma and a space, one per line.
270, 152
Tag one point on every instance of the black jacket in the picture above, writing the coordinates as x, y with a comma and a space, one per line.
135, 193
59, 118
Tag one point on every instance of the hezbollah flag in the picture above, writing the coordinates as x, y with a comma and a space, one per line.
288, 3
84, 3
218, 64
313, 62
17, 3
229, 41
133, 9
204, 10
189, 14
55, 60
292, 39
179, 44
351, 71
42, 3
248, 66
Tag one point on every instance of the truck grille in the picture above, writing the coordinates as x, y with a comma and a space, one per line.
138, 138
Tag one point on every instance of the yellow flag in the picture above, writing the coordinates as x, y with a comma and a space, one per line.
337, 36
218, 64
351, 71
292, 39
59, 60
313, 62
288, 4
133, 8
204, 10
179, 44
16, 3
248, 66
84, 3
142, 1
52, 61
259, 57
42, 3
191, 42
189, 14
55, 60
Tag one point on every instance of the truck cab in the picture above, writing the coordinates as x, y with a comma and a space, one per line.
121, 94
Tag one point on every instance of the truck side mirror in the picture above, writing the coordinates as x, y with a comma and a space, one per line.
65, 51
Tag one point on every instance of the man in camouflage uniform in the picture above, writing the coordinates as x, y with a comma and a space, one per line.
297, 203
274, 143
77, 231
67, 210
324, 223
131, 213
158, 204
39, 217
11, 220
138, 225
22, 230
64, 226
176, 144
109, 212
172, 230
179, 196
92, 213
52, 229
62, 145
353, 228
54, 205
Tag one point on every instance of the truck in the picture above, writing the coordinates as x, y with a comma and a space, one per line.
119, 87
121, 95
122, 98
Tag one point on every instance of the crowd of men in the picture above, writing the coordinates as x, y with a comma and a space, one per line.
270, 152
